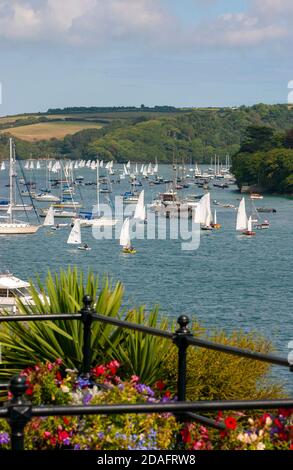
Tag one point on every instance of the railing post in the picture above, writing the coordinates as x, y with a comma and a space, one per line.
19, 411
180, 339
87, 319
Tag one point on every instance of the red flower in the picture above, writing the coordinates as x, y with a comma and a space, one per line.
58, 376
285, 412
160, 385
53, 441
278, 423
223, 434
99, 370
167, 394
186, 437
230, 423
283, 436
30, 390
113, 366
62, 435
291, 446
66, 421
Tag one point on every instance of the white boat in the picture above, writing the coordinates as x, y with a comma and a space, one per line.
58, 213
75, 237
140, 212
11, 226
242, 221
124, 240
47, 197
49, 219
11, 289
203, 213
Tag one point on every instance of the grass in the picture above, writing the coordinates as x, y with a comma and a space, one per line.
49, 130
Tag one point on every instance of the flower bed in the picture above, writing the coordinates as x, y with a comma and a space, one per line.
48, 384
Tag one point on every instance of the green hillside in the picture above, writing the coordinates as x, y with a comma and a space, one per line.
147, 134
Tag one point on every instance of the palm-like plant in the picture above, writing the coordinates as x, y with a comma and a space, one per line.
139, 353
26, 343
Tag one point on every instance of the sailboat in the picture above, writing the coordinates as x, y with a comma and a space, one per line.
2, 166
215, 224
50, 220
14, 227
140, 212
203, 214
96, 220
244, 224
249, 232
241, 222
75, 237
125, 238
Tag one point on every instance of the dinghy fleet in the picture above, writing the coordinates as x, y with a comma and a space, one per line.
61, 186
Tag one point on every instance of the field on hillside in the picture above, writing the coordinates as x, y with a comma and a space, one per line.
49, 130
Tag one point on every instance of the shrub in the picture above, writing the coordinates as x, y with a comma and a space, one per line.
212, 375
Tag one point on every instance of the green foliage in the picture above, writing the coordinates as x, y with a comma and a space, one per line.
146, 134
141, 354
24, 344
217, 376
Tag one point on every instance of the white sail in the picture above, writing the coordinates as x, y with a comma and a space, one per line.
128, 164
249, 224
26, 165
215, 217
140, 212
32, 166
38, 165
156, 168
241, 223
49, 219
125, 233
206, 214
2, 166
75, 235
197, 214
101, 164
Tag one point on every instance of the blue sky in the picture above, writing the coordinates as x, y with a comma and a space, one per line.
127, 52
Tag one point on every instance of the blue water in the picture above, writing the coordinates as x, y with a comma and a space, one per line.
231, 282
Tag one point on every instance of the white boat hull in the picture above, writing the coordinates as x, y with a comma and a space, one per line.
18, 229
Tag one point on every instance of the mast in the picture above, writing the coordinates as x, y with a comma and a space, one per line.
98, 187
11, 173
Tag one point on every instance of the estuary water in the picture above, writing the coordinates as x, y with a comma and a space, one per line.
230, 282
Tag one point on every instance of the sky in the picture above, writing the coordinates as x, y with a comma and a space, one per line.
58, 53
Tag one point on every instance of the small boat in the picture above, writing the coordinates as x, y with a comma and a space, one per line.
263, 225
256, 196
75, 237
47, 197
266, 209
125, 241
84, 247
249, 232
215, 224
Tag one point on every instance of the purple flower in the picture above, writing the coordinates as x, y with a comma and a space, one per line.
77, 447
82, 383
87, 398
4, 438
101, 435
144, 389
66, 441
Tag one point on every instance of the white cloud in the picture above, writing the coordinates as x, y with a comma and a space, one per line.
147, 21
81, 20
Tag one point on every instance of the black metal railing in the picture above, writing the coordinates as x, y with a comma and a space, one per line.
19, 411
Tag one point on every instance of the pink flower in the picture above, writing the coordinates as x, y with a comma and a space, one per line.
49, 366
47, 434
134, 379
58, 361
